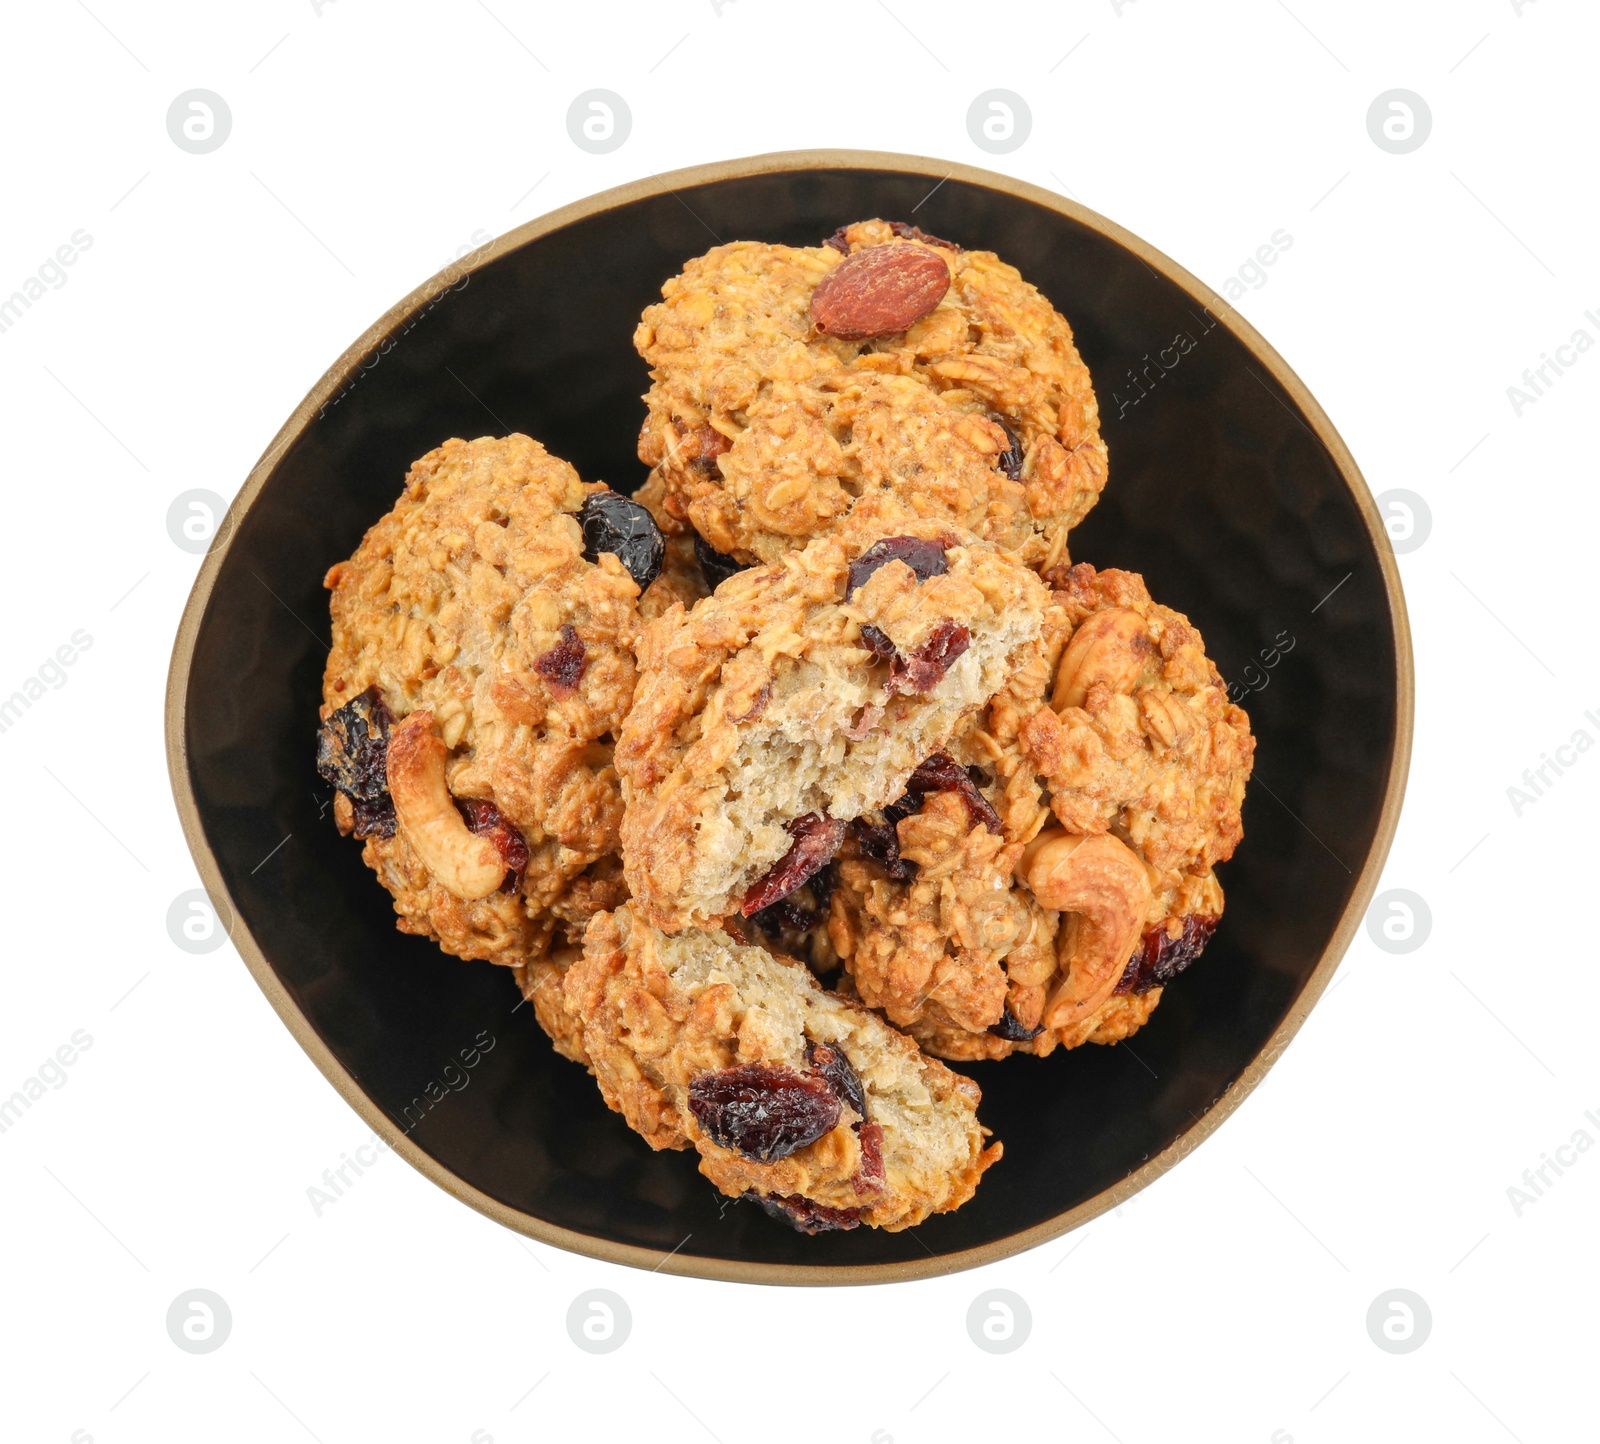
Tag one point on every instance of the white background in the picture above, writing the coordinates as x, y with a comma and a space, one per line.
1229, 1301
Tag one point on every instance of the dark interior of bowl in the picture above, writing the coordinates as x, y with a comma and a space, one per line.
1220, 494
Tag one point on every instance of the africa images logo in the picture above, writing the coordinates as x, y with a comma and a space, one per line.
51, 272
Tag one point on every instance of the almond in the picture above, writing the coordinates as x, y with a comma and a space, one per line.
879, 291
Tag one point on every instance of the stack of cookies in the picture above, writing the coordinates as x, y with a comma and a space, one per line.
819, 760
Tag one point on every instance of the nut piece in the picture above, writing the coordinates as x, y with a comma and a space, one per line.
470, 867
1106, 888
879, 291
1112, 647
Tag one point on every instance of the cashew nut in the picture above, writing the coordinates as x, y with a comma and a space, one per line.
1105, 886
468, 866
1111, 647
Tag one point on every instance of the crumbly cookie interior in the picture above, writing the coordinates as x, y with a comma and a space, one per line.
803, 761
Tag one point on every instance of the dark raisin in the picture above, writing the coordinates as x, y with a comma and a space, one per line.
352, 754
816, 838
716, 567
940, 773
763, 1112
785, 916
805, 1216
486, 820
562, 666
876, 641
822, 884
869, 1176
1158, 959
793, 913
924, 669
916, 233
619, 525
879, 838
925, 558
374, 819
1012, 1031
353, 747
1010, 460
901, 230
881, 842
830, 1061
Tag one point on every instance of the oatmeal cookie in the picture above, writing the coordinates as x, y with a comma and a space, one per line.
482, 663
1037, 887
805, 1101
799, 695
779, 402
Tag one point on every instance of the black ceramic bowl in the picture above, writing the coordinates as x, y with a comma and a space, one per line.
1229, 491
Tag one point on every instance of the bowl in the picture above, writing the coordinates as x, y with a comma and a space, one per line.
1230, 491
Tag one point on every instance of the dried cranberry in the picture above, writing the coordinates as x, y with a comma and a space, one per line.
876, 641
869, 1177
1010, 460
619, 525
924, 669
1012, 1031
352, 754
865, 720
940, 773
804, 1215
486, 820
716, 567
832, 1064
763, 1112
709, 445
816, 838
563, 665
925, 558
936, 773
1158, 959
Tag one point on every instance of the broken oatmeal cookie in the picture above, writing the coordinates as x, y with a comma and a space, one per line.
800, 695
800, 1099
